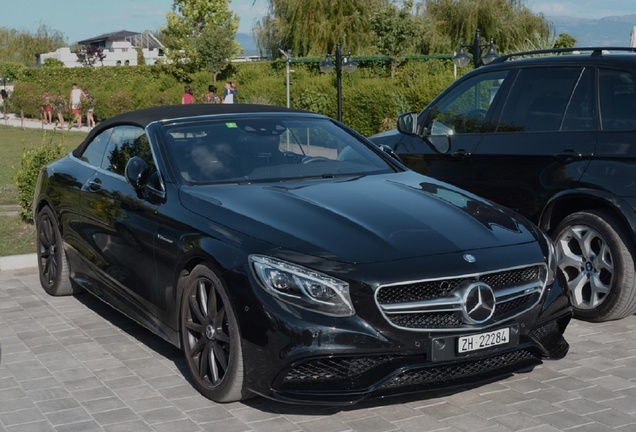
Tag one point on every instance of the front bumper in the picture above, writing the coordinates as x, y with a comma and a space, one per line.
345, 380
304, 361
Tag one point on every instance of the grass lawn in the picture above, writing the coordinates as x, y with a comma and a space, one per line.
17, 237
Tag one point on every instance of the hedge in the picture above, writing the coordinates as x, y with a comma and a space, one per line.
371, 99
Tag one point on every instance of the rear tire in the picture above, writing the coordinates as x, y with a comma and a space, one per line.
597, 257
210, 337
52, 262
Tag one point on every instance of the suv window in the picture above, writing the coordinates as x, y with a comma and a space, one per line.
618, 99
539, 98
465, 109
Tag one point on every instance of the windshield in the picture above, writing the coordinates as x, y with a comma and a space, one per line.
268, 148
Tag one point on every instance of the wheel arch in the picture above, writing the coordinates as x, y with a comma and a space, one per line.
218, 255
566, 203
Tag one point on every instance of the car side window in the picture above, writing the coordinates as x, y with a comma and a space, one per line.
618, 99
466, 107
94, 152
539, 98
126, 142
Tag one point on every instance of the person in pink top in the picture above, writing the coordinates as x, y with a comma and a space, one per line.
187, 97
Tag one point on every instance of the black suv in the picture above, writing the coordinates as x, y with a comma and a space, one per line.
552, 135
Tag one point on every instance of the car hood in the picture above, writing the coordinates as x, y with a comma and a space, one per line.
390, 138
365, 219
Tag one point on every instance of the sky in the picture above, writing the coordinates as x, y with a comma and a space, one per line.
82, 19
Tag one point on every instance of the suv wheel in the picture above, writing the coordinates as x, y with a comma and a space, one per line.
597, 259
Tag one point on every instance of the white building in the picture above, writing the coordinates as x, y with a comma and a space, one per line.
119, 47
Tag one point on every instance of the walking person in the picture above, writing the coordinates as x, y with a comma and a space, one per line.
47, 108
234, 91
228, 94
89, 101
75, 101
4, 101
187, 97
211, 96
59, 103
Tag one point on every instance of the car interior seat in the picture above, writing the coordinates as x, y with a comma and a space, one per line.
257, 151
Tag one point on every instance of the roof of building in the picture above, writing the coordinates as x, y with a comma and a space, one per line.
145, 40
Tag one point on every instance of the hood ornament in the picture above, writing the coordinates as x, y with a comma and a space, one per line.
469, 258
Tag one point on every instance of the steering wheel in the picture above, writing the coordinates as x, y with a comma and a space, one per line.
313, 159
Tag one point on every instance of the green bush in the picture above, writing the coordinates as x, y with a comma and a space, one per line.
371, 99
26, 176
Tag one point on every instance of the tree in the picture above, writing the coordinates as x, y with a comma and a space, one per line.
216, 47
315, 27
191, 20
90, 55
565, 40
394, 31
447, 23
22, 47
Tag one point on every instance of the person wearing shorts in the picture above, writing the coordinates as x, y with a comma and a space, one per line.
47, 108
75, 101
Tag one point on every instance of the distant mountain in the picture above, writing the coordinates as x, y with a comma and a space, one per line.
609, 31
247, 43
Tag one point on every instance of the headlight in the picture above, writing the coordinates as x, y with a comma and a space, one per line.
303, 287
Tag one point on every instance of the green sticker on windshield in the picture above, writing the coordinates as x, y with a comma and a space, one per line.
231, 125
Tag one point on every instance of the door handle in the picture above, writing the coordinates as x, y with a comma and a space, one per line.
460, 154
95, 185
568, 155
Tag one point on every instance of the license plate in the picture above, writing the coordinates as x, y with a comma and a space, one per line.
483, 340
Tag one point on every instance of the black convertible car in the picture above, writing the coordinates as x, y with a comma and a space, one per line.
290, 257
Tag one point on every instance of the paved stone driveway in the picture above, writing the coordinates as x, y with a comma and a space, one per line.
74, 364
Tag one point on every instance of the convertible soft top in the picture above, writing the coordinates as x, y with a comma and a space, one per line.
146, 116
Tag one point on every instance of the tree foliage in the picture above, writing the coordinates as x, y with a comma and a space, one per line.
22, 47
394, 32
90, 55
447, 23
311, 28
188, 23
216, 47
565, 41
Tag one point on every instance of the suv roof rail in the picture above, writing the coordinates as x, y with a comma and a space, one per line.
595, 51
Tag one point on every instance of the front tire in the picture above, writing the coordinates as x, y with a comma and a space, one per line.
210, 337
597, 257
52, 262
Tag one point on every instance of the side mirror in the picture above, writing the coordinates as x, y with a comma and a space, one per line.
407, 123
137, 172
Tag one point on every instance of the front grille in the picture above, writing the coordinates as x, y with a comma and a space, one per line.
429, 320
446, 375
334, 369
359, 374
438, 305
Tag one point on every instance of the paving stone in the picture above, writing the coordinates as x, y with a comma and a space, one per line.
85, 367
22, 416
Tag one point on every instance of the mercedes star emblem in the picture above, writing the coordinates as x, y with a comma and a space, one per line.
479, 303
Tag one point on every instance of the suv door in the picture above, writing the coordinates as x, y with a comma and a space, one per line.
545, 135
454, 125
